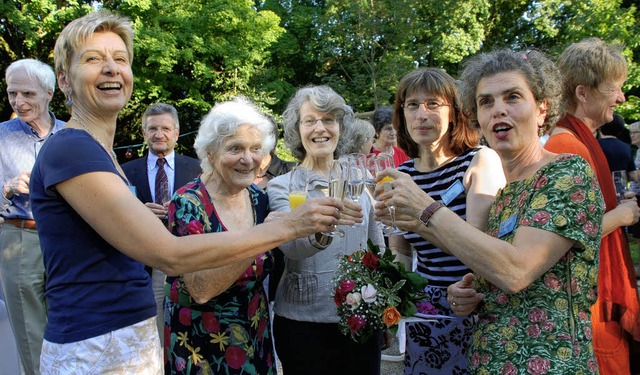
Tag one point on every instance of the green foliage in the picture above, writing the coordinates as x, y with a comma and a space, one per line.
193, 54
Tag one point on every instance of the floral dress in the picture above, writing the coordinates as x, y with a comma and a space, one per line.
230, 333
545, 328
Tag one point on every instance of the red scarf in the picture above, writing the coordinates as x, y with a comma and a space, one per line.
616, 281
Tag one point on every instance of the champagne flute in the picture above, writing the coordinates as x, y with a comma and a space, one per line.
356, 176
298, 183
620, 183
338, 179
383, 162
370, 183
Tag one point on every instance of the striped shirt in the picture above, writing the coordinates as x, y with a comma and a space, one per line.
439, 268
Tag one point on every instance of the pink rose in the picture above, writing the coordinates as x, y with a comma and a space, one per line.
533, 331
552, 281
541, 217
508, 369
548, 326
502, 298
346, 286
537, 315
577, 180
578, 196
581, 217
538, 365
523, 197
185, 316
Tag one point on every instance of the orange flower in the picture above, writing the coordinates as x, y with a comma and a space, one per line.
391, 316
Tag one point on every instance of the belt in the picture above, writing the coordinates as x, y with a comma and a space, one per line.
22, 224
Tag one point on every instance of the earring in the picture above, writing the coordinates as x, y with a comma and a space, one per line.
69, 101
540, 131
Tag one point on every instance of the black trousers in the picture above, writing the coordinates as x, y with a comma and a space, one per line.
307, 348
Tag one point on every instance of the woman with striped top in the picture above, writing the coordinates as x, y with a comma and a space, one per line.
448, 164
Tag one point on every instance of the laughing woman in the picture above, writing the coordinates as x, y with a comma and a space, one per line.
96, 235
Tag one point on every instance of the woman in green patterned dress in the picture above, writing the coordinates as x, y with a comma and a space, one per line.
536, 267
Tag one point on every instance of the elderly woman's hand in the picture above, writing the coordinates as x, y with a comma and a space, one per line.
315, 215
407, 198
351, 214
462, 296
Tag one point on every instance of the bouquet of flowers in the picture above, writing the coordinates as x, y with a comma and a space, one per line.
373, 291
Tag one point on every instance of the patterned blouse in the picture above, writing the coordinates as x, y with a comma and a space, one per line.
545, 328
230, 333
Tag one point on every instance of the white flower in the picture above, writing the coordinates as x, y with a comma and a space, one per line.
353, 299
369, 293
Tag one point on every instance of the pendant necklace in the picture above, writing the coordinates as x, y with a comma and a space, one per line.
109, 150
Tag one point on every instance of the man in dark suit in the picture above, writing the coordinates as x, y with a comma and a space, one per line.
158, 174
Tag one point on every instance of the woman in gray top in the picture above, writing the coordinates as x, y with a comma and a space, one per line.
306, 332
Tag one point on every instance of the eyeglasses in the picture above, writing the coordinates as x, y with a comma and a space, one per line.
431, 106
324, 121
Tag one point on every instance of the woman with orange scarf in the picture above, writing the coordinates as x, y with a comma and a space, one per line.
594, 74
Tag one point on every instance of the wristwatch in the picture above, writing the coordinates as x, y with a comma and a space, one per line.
429, 211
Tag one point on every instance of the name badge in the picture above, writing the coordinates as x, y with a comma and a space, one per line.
508, 225
133, 190
452, 192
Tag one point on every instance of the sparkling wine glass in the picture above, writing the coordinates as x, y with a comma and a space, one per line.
383, 162
298, 186
338, 179
370, 183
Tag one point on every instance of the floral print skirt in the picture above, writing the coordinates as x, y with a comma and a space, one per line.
441, 346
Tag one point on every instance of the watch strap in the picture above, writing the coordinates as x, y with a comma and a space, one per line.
429, 211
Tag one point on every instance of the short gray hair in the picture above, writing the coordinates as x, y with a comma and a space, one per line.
160, 109
222, 122
37, 71
323, 99
360, 132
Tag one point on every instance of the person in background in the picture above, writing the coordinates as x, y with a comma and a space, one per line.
30, 88
205, 309
305, 326
634, 230
447, 164
594, 73
96, 235
362, 136
157, 175
618, 153
272, 166
386, 135
535, 268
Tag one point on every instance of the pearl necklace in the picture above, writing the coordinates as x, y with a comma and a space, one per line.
109, 150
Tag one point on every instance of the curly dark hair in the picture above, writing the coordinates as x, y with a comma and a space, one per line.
539, 71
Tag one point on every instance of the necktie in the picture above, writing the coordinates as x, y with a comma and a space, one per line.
162, 183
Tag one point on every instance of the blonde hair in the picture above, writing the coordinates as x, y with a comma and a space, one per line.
76, 33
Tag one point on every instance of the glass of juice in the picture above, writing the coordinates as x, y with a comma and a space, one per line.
298, 183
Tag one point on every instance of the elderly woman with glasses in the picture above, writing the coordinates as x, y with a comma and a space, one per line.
306, 332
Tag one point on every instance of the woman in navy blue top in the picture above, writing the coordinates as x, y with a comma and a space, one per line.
95, 234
